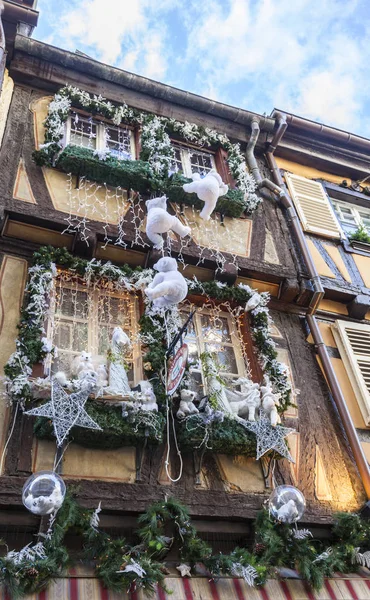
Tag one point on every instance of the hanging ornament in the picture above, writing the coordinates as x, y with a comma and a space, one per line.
269, 438
159, 221
66, 411
287, 504
208, 189
43, 493
168, 287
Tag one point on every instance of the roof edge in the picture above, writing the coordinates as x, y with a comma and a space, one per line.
139, 83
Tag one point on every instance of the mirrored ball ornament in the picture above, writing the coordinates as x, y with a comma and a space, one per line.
287, 504
43, 493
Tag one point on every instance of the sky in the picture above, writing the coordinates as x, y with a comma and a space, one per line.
308, 57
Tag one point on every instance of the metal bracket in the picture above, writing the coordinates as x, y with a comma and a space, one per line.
198, 463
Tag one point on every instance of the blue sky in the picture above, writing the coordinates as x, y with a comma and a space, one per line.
309, 57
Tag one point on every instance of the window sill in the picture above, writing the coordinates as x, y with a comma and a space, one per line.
357, 247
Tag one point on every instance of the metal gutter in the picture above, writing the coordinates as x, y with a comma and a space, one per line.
138, 83
15, 13
281, 192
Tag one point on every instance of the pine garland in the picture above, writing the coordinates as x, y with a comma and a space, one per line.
121, 566
156, 149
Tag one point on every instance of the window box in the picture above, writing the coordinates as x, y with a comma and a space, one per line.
363, 246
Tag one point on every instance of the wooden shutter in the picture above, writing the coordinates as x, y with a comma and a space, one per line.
353, 341
313, 206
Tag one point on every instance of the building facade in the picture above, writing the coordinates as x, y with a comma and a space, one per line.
83, 147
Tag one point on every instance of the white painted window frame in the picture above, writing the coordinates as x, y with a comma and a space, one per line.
185, 152
355, 211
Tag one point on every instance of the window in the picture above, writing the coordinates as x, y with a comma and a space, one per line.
188, 160
216, 333
97, 135
84, 320
353, 341
351, 216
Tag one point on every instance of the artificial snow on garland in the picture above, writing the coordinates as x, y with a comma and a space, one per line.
156, 146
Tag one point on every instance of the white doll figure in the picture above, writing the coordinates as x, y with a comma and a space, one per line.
187, 406
245, 402
148, 400
102, 376
269, 403
208, 189
45, 505
159, 221
118, 381
168, 287
288, 512
83, 362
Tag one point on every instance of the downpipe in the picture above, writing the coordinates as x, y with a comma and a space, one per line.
280, 192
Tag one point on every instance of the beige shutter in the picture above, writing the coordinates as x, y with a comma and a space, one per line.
313, 206
353, 341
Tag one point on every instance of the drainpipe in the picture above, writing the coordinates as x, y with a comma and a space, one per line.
280, 191
2, 46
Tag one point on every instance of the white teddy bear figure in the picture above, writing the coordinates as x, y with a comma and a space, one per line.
102, 373
159, 221
187, 406
168, 287
208, 189
245, 402
148, 399
269, 403
288, 512
83, 362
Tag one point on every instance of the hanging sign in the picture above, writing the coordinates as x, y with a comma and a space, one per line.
176, 369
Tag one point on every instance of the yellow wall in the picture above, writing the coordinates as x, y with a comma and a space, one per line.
363, 265
320, 264
333, 307
336, 256
5, 100
309, 172
13, 273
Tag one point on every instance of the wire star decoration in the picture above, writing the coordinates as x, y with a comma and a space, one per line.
66, 411
268, 437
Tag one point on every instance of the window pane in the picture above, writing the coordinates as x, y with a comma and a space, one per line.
225, 356
215, 329
176, 165
83, 131
201, 162
73, 303
347, 215
118, 140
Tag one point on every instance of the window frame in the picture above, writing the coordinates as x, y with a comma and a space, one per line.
185, 150
93, 325
355, 210
101, 125
235, 344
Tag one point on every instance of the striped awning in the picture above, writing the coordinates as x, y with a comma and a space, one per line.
354, 587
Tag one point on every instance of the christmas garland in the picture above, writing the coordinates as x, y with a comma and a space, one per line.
122, 566
32, 347
156, 154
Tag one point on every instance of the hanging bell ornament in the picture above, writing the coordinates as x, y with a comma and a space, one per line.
43, 493
287, 504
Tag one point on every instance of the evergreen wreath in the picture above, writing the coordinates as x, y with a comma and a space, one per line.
151, 172
122, 566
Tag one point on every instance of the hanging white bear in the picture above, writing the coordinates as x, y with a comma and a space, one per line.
118, 382
187, 406
208, 189
245, 402
168, 287
159, 221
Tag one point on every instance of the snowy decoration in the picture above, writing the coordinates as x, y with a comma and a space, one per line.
287, 504
253, 302
245, 402
269, 438
43, 493
95, 519
66, 411
102, 376
29, 553
302, 534
168, 287
118, 381
269, 403
159, 221
82, 364
47, 345
324, 555
133, 567
248, 573
362, 559
187, 406
208, 189
156, 145
148, 401
62, 378
215, 383
185, 570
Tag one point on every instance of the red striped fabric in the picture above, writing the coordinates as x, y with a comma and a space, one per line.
187, 589
238, 589
351, 590
286, 591
214, 591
